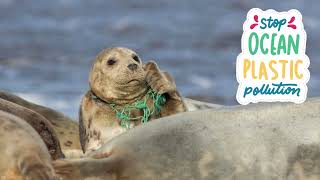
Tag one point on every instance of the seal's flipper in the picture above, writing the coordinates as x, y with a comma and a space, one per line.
86, 167
169, 77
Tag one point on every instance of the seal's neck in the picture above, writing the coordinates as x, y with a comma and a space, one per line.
121, 94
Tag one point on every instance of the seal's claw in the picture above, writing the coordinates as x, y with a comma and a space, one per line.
151, 66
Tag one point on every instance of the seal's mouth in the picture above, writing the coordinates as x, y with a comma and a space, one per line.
133, 81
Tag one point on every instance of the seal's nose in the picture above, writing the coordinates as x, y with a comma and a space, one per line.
132, 67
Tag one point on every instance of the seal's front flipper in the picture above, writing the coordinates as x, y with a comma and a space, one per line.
84, 168
158, 81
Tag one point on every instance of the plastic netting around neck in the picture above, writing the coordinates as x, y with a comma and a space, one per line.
123, 112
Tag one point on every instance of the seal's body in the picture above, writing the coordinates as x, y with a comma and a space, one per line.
40, 124
119, 77
265, 141
65, 128
23, 153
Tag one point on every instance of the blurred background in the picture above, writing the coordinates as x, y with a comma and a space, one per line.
46, 47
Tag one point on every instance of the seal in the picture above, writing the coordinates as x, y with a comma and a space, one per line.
40, 124
118, 79
66, 129
23, 153
263, 141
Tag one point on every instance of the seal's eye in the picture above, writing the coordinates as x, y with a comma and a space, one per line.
111, 62
136, 58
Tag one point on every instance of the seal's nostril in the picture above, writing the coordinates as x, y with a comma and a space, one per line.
132, 66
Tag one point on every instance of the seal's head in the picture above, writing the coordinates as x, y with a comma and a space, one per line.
118, 76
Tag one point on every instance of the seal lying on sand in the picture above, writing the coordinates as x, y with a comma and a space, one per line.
124, 92
23, 154
39, 123
264, 141
66, 129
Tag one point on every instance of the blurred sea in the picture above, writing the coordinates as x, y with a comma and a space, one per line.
46, 47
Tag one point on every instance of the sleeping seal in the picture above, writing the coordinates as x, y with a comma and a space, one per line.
66, 129
40, 124
264, 141
24, 156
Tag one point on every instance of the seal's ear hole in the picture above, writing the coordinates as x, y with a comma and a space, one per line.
136, 58
111, 62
